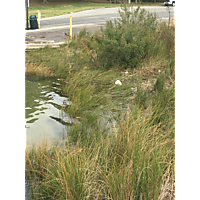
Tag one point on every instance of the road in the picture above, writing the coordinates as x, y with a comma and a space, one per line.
97, 16
55, 27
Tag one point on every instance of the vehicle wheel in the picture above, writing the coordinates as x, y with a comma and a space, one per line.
173, 4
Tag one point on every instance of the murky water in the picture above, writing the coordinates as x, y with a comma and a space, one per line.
44, 115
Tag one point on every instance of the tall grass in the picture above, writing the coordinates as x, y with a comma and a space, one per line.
131, 164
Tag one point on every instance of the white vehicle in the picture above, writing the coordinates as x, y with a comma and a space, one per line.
169, 2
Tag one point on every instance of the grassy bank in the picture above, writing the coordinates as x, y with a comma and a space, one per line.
123, 145
62, 7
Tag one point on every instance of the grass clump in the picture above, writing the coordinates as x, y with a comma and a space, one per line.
122, 146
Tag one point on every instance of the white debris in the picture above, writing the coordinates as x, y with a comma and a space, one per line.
126, 72
118, 82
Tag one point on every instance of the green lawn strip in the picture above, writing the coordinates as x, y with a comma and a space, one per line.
56, 9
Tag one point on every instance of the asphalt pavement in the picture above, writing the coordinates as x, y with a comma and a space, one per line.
54, 28
58, 34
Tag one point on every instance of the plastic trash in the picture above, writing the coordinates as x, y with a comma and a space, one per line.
118, 82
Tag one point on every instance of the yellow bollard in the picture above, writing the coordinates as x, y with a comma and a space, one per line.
39, 16
70, 27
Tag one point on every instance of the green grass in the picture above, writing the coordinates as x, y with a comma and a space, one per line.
123, 145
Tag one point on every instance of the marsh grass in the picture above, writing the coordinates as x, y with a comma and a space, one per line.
123, 144
132, 163
136, 162
129, 165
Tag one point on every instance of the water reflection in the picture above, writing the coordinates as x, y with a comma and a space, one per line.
43, 103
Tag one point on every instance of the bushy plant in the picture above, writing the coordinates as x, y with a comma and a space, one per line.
126, 42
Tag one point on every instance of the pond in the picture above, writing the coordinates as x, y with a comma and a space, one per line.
44, 115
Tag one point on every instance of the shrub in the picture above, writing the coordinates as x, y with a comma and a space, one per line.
126, 42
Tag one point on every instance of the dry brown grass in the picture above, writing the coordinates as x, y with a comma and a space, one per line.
167, 191
39, 70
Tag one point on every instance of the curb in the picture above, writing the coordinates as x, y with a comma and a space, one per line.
59, 27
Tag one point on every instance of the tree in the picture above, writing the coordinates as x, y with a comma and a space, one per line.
45, 1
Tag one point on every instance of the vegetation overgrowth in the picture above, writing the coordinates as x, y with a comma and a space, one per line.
122, 146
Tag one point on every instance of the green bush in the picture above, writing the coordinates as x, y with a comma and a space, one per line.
127, 42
